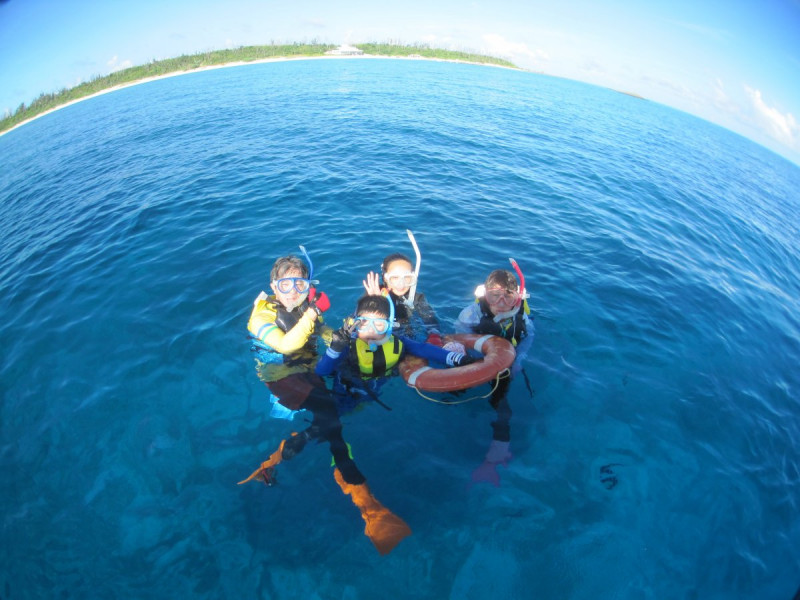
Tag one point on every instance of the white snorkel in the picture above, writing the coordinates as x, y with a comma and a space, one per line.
413, 290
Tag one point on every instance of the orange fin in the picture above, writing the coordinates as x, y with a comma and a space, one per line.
273, 460
383, 528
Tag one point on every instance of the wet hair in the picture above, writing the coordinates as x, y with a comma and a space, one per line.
393, 257
502, 278
285, 264
374, 304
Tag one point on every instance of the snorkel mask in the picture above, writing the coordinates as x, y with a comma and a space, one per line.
522, 295
413, 289
373, 344
310, 282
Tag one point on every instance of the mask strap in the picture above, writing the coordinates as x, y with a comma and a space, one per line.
413, 290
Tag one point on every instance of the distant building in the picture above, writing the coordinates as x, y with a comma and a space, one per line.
345, 50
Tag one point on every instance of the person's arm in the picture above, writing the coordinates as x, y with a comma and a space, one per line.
468, 319
523, 346
337, 351
288, 342
426, 313
262, 323
330, 361
435, 353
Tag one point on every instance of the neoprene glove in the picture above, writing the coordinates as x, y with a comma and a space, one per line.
340, 339
318, 301
462, 360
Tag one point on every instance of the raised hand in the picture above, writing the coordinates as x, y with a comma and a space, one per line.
372, 284
340, 339
318, 301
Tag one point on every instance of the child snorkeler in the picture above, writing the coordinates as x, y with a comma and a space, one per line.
501, 309
365, 351
415, 318
284, 327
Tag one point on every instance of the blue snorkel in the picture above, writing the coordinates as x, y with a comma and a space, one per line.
310, 265
308, 260
373, 345
391, 315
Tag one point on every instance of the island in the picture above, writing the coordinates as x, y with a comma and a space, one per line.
47, 102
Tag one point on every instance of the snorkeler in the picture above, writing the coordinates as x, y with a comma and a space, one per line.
285, 327
414, 316
500, 309
365, 352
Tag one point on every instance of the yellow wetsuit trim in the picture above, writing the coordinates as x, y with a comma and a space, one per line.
262, 326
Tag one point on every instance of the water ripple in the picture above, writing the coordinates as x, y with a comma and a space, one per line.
661, 254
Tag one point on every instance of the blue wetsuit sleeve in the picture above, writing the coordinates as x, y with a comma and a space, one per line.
524, 345
468, 319
423, 350
330, 361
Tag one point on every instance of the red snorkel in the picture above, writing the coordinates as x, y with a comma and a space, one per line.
522, 290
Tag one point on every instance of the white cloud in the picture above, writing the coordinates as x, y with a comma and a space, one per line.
782, 127
499, 46
721, 99
115, 65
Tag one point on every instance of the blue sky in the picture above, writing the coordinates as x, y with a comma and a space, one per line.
733, 62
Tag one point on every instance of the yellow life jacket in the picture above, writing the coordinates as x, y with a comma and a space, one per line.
378, 362
269, 314
511, 328
265, 309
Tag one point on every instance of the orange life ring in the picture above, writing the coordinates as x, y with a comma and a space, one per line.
498, 354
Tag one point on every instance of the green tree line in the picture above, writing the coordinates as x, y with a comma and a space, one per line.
426, 51
190, 62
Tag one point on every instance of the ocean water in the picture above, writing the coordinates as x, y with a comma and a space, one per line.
654, 455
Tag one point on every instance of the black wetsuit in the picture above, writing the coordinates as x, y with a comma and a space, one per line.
306, 390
